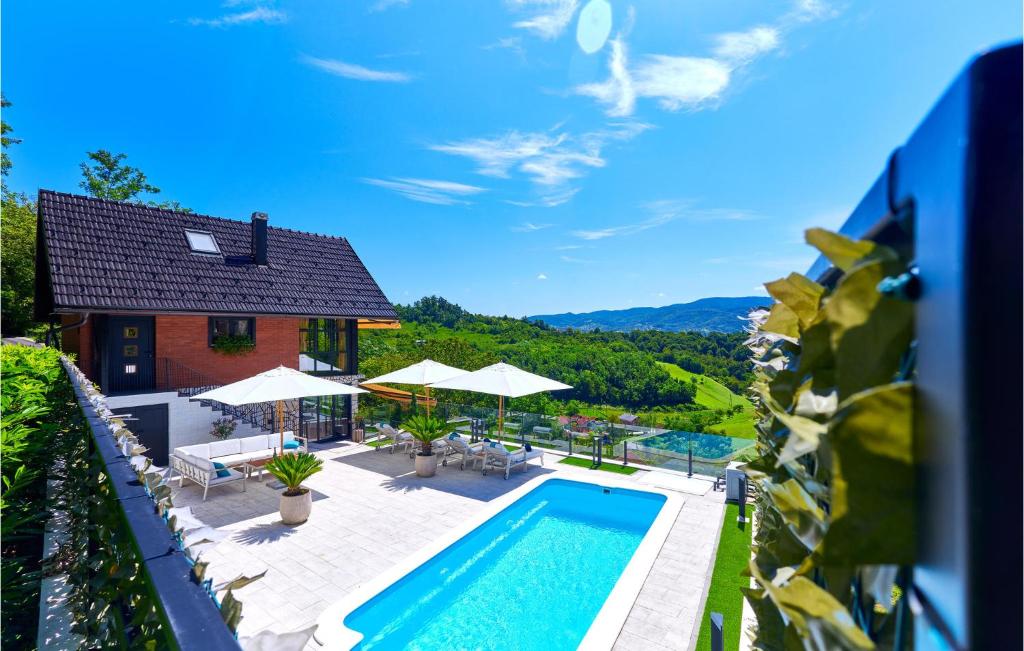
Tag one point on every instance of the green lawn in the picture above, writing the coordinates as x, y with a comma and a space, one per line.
739, 425
724, 595
710, 392
607, 467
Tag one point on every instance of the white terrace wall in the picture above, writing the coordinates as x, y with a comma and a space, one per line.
188, 422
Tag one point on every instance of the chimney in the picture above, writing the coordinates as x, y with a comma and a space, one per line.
259, 238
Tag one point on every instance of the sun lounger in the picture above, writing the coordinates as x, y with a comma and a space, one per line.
497, 457
399, 438
466, 451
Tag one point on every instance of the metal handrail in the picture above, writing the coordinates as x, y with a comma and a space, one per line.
188, 382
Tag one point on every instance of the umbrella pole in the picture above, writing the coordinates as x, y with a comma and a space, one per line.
280, 423
426, 388
501, 416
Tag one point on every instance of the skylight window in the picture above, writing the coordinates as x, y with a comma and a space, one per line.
202, 242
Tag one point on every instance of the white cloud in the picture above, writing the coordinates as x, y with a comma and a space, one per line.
676, 82
444, 193
549, 200
567, 258
550, 19
568, 247
383, 5
542, 276
512, 43
617, 91
353, 71
549, 160
264, 15
743, 47
805, 11
528, 227
664, 212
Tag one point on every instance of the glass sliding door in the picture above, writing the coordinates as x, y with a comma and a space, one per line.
322, 352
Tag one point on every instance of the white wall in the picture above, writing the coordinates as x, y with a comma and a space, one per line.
188, 422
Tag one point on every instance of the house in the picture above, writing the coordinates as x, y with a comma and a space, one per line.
155, 302
629, 419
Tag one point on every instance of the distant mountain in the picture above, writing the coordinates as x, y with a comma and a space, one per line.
718, 314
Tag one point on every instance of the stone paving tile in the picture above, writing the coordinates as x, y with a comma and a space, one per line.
370, 511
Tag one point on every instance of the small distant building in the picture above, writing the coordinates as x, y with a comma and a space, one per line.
629, 419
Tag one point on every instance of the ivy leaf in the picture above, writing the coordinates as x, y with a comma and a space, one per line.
869, 331
799, 510
873, 479
239, 582
782, 321
799, 294
841, 251
820, 621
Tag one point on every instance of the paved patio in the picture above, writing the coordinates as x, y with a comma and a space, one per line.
370, 510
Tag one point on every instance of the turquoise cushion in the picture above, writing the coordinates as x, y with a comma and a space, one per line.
454, 435
494, 444
222, 470
291, 445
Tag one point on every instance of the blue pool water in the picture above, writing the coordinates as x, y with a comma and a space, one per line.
532, 577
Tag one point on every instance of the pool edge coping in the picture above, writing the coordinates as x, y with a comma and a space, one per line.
331, 632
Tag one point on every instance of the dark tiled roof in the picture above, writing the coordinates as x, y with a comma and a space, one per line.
105, 255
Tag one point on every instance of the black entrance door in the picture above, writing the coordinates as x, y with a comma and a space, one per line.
131, 353
149, 423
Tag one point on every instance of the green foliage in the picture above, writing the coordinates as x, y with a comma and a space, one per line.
6, 139
17, 264
44, 436
233, 344
293, 469
28, 377
727, 580
425, 430
835, 471
18, 244
107, 176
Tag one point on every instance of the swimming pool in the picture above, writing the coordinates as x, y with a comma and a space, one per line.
711, 447
534, 575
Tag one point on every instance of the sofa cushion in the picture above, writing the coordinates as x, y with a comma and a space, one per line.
224, 448
201, 463
232, 459
200, 450
257, 455
254, 443
221, 469
291, 445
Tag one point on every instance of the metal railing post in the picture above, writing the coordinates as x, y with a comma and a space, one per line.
717, 632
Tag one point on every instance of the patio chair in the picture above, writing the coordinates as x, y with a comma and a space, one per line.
399, 438
496, 456
471, 452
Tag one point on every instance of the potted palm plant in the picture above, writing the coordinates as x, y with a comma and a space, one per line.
426, 430
293, 469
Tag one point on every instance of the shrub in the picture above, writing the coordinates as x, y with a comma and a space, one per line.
223, 428
293, 469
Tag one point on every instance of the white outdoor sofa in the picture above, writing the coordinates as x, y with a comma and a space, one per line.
497, 457
195, 462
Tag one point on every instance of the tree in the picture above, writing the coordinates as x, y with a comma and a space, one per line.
17, 246
7, 140
108, 178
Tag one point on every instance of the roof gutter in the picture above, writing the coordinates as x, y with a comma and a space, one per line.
71, 326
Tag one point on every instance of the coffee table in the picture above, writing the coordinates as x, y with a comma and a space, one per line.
250, 467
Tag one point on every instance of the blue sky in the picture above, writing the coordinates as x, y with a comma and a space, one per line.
518, 157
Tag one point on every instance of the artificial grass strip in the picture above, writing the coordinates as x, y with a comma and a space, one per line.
607, 467
724, 595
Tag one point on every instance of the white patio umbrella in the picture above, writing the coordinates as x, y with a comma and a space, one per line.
502, 380
276, 385
426, 373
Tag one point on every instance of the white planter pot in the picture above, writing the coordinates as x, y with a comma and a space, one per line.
426, 465
295, 509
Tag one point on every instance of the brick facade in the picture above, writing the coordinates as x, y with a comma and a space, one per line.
184, 339
79, 342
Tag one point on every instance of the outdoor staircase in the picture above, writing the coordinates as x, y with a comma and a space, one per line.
187, 382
